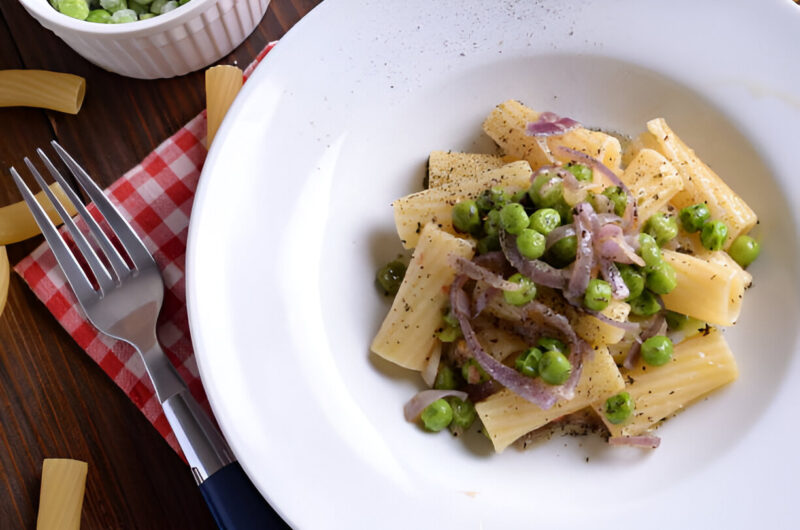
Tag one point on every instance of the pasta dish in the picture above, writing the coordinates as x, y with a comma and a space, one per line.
565, 277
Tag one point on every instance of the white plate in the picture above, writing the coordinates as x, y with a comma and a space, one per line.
292, 218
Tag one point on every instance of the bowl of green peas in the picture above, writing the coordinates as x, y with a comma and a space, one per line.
150, 39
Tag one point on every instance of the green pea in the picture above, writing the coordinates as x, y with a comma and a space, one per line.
169, 6
181, 2
619, 408
473, 373
137, 7
466, 216
531, 244
694, 217
124, 16
662, 227
513, 218
390, 276
463, 412
649, 251
492, 199
519, 196
744, 250
450, 319
581, 172
597, 295
437, 415
100, 16
713, 235
146, 16
547, 190
563, 252
676, 321
618, 198
554, 367
74, 8
523, 295
633, 278
661, 279
445, 378
657, 351
491, 225
545, 220
112, 6
549, 343
488, 244
527, 362
449, 334
645, 304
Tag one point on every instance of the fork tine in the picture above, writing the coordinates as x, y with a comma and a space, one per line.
72, 270
104, 279
130, 241
117, 263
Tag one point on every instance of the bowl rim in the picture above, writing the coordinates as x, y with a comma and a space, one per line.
43, 10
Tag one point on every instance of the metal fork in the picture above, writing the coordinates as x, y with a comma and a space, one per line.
125, 305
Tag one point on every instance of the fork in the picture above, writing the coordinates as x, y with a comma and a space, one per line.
124, 302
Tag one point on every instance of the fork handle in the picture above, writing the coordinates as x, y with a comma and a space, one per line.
232, 499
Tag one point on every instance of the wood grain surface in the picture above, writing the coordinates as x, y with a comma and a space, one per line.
54, 400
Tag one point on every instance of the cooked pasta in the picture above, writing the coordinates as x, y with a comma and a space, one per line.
223, 83
560, 278
42, 89
17, 223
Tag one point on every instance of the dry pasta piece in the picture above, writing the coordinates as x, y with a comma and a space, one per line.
506, 126
17, 223
699, 365
223, 83
700, 183
61, 497
708, 291
652, 180
449, 166
506, 416
414, 211
408, 333
42, 89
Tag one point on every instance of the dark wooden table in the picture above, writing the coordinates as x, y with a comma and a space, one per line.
54, 400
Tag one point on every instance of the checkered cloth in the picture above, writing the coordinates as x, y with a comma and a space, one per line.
156, 197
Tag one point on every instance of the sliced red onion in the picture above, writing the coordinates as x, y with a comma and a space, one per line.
432, 365
540, 272
559, 233
647, 441
551, 124
611, 244
417, 404
476, 272
630, 217
495, 261
584, 257
611, 274
656, 327
626, 325
605, 218
481, 296
530, 389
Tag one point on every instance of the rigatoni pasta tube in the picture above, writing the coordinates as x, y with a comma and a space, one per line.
223, 83
435, 205
408, 332
699, 365
42, 89
61, 496
700, 183
652, 180
507, 416
506, 125
17, 223
449, 166
708, 291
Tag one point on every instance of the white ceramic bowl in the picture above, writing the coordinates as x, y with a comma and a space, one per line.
176, 43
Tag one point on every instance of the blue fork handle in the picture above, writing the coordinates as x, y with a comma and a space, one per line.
236, 504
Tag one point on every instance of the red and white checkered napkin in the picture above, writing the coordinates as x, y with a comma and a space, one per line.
156, 197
